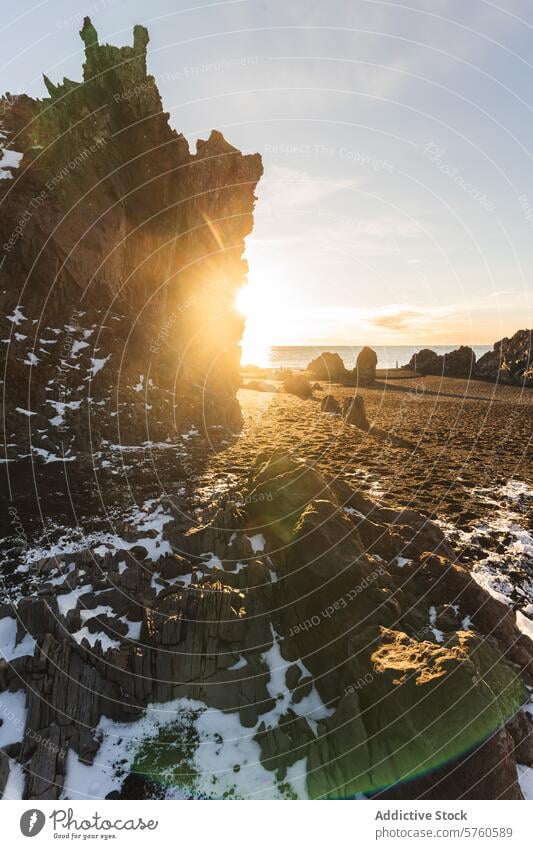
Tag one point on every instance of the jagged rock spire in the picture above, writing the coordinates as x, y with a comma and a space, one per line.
88, 34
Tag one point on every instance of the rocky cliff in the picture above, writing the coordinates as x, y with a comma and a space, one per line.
459, 363
122, 253
510, 361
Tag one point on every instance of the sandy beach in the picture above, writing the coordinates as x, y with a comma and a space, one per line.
434, 441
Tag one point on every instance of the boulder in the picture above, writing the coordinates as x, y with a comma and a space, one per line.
328, 366
431, 703
425, 361
353, 411
329, 404
366, 364
458, 363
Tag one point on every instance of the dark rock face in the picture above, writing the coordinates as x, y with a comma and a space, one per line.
511, 361
328, 366
425, 361
122, 255
459, 363
329, 404
367, 360
391, 672
331, 367
353, 411
364, 373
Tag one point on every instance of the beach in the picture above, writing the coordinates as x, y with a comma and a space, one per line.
458, 451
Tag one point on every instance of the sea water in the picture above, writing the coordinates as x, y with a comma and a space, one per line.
299, 356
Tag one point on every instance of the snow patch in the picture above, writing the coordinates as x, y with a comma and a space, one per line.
258, 542
97, 365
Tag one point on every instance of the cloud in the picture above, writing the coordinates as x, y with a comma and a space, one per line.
393, 317
400, 320
289, 188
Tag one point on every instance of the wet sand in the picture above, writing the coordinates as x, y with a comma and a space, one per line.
434, 442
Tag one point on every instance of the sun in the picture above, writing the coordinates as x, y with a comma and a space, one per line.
245, 299
255, 304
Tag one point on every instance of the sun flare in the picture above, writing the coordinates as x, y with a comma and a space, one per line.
254, 303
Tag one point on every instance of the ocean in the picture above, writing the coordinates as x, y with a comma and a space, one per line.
299, 356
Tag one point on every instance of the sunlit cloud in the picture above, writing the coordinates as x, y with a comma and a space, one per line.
393, 317
291, 188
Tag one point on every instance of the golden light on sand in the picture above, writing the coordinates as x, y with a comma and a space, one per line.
254, 305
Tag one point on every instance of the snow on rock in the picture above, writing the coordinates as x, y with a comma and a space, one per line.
13, 716
525, 779
99, 610
402, 561
504, 570
77, 346
97, 365
311, 707
92, 639
239, 664
215, 757
525, 624
68, 601
60, 407
439, 636
10, 159
14, 788
258, 542
212, 561
134, 629
17, 316
49, 457
9, 649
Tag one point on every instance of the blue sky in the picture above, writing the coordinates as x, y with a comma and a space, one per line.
397, 202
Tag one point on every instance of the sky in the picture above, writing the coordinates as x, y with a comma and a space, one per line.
397, 201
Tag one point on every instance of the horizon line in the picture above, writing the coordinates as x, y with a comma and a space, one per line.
343, 344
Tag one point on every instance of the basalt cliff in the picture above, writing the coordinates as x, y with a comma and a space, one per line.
122, 253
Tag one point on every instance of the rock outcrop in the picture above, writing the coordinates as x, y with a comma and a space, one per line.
325, 626
459, 363
328, 366
511, 360
353, 411
121, 257
365, 367
329, 404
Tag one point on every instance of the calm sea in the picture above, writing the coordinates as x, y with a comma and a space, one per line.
299, 357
